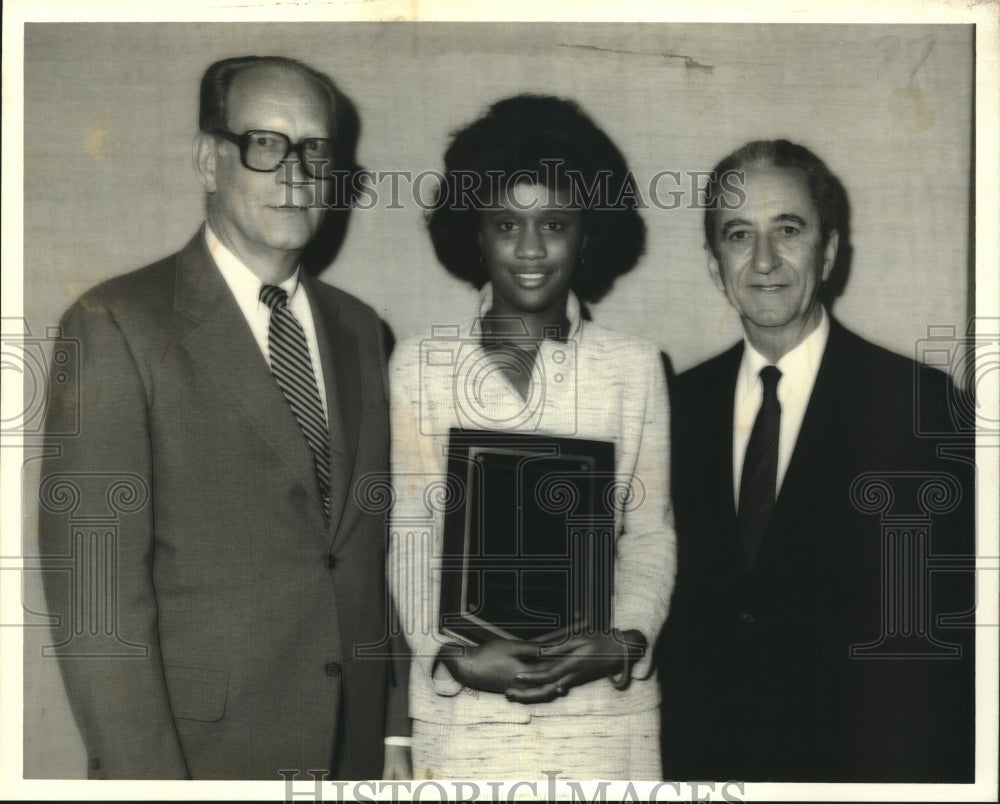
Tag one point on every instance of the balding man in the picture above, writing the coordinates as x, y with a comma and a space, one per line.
242, 400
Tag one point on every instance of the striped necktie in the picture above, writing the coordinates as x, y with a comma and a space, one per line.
760, 468
292, 368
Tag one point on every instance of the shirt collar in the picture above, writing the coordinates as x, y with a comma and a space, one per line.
799, 366
243, 282
573, 314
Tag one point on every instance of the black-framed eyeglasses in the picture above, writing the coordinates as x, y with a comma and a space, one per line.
264, 151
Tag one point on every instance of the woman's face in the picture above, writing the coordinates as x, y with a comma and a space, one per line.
531, 247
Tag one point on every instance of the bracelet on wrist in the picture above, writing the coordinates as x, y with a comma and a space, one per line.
621, 681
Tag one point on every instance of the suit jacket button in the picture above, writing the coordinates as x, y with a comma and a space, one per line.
95, 764
333, 669
331, 562
746, 617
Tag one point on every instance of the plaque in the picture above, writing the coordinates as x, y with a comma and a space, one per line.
528, 547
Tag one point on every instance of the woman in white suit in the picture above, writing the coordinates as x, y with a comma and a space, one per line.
532, 212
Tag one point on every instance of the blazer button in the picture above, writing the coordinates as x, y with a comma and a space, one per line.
333, 669
95, 764
331, 562
746, 617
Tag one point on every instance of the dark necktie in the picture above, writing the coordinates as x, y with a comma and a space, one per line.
292, 368
760, 469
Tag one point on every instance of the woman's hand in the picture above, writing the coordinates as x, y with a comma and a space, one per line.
578, 660
492, 666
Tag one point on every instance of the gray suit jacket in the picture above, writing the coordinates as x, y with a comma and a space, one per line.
219, 635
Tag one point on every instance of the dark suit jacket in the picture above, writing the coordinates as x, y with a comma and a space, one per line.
235, 611
759, 681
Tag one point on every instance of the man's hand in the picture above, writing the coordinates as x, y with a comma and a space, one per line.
578, 660
492, 666
398, 763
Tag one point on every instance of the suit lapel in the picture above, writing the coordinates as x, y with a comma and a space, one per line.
338, 350
812, 455
703, 431
723, 396
219, 340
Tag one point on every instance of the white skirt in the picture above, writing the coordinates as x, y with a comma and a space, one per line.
625, 746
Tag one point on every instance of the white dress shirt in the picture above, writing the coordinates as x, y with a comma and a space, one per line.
245, 287
798, 376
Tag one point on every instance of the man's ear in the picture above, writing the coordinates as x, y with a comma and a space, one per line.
203, 151
830, 253
714, 270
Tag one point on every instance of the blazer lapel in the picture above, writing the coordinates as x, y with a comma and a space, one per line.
724, 397
811, 456
702, 415
220, 342
338, 350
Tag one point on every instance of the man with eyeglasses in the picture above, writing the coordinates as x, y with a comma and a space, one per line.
242, 401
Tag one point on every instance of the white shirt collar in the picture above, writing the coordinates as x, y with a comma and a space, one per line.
244, 283
573, 314
798, 367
